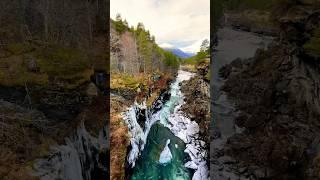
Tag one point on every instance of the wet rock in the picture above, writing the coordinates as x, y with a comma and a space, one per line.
226, 160
241, 119
225, 71
254, 121
243, 170
239, 142
92, 90
282, 85
233, 68
202, 69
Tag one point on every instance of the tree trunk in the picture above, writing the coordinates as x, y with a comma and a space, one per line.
46, 20
89, 21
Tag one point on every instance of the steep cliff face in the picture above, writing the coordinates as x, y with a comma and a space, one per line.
47, 68
277, 93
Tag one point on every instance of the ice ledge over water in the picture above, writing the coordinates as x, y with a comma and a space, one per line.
165, 156
137, 134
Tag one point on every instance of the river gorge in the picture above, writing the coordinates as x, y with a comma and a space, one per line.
166, 145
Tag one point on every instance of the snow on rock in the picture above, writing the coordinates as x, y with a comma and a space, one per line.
165, 155
202, 173
191, 165
136, 132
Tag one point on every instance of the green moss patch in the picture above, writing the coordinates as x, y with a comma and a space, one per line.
19, 48
312, 47
57, 61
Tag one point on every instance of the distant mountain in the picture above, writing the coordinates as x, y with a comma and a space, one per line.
179, 52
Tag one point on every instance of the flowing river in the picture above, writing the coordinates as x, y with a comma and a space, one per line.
167, 146
232, 44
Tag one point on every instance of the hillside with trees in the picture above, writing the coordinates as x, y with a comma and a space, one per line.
202, 58
135, 51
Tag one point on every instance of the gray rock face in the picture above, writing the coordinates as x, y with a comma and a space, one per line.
276, 94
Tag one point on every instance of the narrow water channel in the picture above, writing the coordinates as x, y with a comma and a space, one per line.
168, 147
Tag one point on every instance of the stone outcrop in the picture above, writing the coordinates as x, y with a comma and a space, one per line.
197, 94
277, 94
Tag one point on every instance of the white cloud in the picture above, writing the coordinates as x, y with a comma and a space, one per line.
195, 47
166, 45
179, 22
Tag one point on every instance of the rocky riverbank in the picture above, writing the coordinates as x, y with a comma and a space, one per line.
279, 106
276, 95
197, 99
254, 21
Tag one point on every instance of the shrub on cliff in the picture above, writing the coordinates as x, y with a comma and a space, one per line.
312, 47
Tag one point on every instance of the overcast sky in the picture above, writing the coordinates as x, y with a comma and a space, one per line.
182, 24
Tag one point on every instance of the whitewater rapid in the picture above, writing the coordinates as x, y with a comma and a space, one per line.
171, 116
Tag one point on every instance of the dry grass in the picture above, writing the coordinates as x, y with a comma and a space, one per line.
126, 81
119, 140
11, 169
13, 72
189, 67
